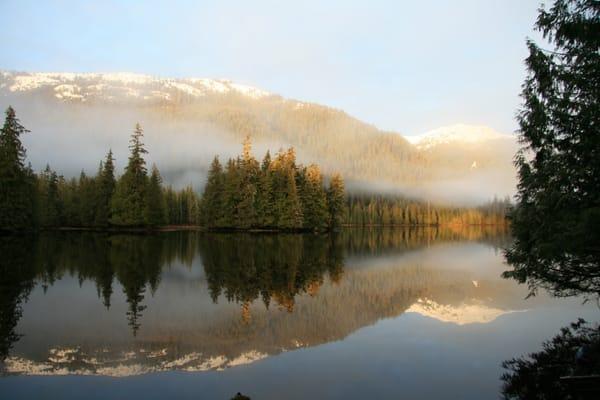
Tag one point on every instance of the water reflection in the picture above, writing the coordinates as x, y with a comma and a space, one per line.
192, 301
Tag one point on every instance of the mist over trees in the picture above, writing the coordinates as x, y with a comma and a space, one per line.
276, 193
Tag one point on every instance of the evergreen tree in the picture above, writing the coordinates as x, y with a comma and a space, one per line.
264, 195
248, 179
49, 203
557, 216
286, 203
17, 182
87, 193
314, 199
231, 195
105, 189
156, 207
129, 200
212, 199
335, 201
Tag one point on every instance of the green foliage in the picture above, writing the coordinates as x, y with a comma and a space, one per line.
277, 194
287, 208
313, 198
557, 216
17, 182
49, 203
335, 200
129, 201
156, 206
105, 190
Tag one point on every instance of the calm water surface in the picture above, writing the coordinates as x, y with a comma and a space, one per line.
363, 314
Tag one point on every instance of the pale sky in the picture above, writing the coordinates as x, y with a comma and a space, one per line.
408, 66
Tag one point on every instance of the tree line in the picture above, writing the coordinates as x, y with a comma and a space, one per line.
381, 210
135, 199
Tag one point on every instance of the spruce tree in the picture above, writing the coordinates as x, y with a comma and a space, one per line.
129, 200
17, 182
556, 220
49, 200
105, 189
264, 196
286, 202
211, 208
156, 207
335, 201
314, 199
248, 179
231, 195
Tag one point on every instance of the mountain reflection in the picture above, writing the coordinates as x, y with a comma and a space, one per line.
219, 300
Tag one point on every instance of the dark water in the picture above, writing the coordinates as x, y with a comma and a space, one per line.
363, 314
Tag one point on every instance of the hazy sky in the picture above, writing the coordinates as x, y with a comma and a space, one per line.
408, 66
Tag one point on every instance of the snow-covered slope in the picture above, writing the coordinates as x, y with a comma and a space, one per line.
87, 86
459, 134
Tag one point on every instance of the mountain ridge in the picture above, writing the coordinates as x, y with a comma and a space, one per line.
189, 120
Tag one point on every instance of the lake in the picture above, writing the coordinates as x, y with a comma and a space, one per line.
381, 313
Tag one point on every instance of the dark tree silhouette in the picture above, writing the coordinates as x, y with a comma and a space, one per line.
557, 218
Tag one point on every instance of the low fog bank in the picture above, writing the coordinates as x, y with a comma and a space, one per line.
473, 189
72, 137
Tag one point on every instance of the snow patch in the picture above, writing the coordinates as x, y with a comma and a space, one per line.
459, 133
460, 315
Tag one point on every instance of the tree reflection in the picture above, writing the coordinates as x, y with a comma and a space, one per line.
273, 270
245, 267
16, 281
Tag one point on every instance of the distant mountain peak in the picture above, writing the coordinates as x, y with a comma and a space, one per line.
458, 133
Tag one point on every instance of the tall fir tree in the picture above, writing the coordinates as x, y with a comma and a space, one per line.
264, 195
129, 200
50, 207
335, 201
249, 173
17, 182
231, 195
286, 203
314, 199
156, 207
105, 190
211, 210
556, 219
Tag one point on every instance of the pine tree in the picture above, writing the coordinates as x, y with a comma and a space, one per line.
211, 209
49, 204
314, 199
248, 179
17, 182
231, 195
335, 201
557, 216
87, 193
128, 202
286, 203
105, 190
264, 196
156, 207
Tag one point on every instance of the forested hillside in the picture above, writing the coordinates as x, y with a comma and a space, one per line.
187, 121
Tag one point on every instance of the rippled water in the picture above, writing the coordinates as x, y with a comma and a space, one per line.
362, 314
